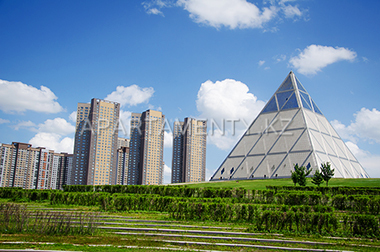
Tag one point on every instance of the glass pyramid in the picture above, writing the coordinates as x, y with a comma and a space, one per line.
291, 129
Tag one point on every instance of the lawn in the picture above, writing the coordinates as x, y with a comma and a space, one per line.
258, 184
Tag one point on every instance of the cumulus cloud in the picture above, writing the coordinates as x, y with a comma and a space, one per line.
25, 125
52, 134
19, 97
229, 13
57, 125
370, 162
227, 99
131, 95
233, 14
315, 57
167, 174
261, 62
4, 121
73, 116
365, 126
229, 108
124, 123
53, 141
168, 139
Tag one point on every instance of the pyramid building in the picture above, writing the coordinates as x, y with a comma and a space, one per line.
290, 130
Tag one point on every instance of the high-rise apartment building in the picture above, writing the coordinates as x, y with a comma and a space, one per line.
146, 150
96, 140
122, 160
189, 151
122, 142
22, 165
122, 165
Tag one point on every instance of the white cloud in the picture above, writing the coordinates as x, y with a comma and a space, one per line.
280, 58
261, 62
73, 116
57, 125
343, 131
168, 139
19, 97
369, 161
227, 99
241, 14
4, 121
167, 174
124, 123
315, 57
222, 140
291, 11
51, 134
229, 13
229, 107
25, 124
154, 7
131, 95
365, 126
154, 11
53, 141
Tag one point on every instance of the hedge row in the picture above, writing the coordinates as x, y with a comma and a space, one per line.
261, 220
367, 204
357, 203
302, 218
176, 191
345, 190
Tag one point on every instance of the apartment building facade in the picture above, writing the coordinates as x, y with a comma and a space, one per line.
146, 166
96, 141
22, 165
189, 151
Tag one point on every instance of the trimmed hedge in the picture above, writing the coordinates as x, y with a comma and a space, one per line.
292, 210
344, 190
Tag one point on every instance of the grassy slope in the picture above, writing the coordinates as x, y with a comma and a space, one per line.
262, 183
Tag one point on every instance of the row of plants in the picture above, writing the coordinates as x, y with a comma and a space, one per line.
345, 190
367, 204
177, 191
15, 218
292, 210
300, 218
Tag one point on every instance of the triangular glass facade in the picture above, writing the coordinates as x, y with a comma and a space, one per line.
290, 129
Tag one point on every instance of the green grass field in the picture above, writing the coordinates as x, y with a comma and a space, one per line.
262, 183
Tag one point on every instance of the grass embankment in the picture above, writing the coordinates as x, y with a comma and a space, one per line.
260, 184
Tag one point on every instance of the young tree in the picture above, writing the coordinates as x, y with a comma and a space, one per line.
317, 178
327, 172
294, 175
299, 175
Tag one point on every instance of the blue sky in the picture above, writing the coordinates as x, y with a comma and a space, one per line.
209, 59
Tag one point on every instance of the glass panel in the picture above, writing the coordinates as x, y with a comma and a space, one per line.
316, 109
282, 98
271, 106
287, 85
300, 87
292, 103
305, 104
